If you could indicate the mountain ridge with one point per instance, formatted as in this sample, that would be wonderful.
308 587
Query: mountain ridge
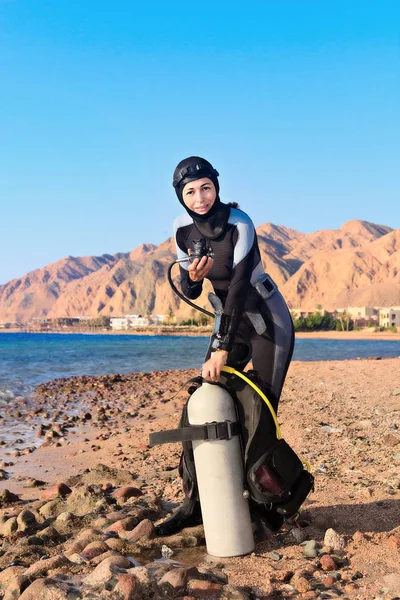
357 264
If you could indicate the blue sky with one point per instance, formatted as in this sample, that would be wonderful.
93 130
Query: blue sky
296 103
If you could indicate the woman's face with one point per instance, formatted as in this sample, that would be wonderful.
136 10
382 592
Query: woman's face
199 195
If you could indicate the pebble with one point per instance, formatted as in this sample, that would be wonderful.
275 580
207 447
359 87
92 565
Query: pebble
359 537
299 535
201 588
310 548
60 490
275 555
394 541
303 585
333 540
166 552
327 563
390 440
123 494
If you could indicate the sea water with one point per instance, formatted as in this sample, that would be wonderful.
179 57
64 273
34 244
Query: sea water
27 359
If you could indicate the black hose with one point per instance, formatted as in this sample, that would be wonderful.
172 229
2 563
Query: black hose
182 297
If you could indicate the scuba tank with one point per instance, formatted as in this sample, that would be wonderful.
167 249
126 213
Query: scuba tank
219 470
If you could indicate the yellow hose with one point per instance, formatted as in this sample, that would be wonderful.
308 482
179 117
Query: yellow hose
260 393
267 402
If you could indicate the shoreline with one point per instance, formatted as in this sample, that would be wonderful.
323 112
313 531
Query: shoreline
352 448
201 332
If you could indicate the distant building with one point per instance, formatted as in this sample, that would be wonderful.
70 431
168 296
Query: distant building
118 323
300 312
389 317
40 324
157 319
137 321
362 312
128 322
8 324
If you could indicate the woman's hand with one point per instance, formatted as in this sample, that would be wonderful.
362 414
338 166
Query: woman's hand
199 268
212 368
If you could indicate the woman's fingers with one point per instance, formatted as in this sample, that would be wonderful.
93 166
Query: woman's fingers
211 370
198 269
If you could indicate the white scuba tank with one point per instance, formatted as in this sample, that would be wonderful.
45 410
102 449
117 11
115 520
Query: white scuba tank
219 470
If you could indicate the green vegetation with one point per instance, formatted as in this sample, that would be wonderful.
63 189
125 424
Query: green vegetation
315 322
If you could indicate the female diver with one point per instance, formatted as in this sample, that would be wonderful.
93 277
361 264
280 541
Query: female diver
255 315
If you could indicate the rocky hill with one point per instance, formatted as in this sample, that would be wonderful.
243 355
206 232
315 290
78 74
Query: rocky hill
357 264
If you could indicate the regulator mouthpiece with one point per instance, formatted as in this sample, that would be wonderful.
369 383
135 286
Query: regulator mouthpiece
199 250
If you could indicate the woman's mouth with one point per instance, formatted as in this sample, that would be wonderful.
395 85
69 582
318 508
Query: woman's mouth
203 208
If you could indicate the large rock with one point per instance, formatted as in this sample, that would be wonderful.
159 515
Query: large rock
7 497
15 587
146 580
60 490
123 494
86 499
230 592
26 521
178 577
144 529
9 573
126 524
51 509
127 587
202 588
106 570
41 567
85 537
9 527
94 549
66 521
50 589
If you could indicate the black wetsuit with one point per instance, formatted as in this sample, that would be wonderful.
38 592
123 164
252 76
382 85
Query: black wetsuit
237 265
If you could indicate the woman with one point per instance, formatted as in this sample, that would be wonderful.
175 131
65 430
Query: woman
265 325
254 311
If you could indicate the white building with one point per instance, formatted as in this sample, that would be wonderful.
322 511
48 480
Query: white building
119 323
128 322
389 317
137 321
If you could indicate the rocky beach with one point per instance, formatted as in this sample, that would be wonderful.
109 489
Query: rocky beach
81 491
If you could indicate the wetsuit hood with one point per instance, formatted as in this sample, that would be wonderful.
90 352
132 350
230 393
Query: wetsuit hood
213 223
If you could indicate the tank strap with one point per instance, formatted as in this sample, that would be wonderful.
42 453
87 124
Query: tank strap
223 430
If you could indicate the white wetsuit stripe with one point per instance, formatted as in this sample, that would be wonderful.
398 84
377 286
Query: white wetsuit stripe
246 233
182 221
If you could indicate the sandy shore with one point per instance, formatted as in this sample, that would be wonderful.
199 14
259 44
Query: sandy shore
341 416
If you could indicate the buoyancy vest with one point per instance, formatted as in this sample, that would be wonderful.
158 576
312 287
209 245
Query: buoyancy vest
273 473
